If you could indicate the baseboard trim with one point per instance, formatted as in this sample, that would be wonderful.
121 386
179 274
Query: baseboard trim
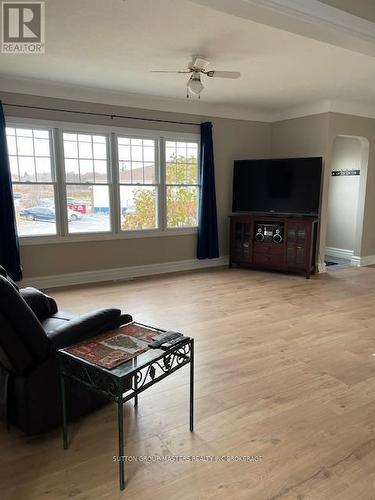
122 273
341 253
367 260
355 260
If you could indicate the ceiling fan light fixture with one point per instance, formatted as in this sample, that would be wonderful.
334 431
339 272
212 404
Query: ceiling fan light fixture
195 85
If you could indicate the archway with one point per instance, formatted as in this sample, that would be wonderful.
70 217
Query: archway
346 201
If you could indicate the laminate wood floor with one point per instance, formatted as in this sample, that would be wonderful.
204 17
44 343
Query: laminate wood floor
284 370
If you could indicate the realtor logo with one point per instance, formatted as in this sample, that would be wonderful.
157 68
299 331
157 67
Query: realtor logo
23 27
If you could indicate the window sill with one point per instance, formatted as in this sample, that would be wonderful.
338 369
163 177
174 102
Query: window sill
156 233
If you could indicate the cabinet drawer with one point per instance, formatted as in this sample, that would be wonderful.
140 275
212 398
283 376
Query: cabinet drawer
270 259
268 248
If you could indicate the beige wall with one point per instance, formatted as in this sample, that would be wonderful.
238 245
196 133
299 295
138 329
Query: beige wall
306 136
232 139
343 194
315 135
360 8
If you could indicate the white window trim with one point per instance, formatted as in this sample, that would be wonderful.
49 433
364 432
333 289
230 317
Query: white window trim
63 185
112 132
157 184
183 138
54 179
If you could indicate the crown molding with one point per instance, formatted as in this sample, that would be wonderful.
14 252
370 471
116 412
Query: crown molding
309 18
356 108
308 109
341 106
201 108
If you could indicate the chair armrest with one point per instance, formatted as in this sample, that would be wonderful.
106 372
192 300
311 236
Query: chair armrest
85 326
41 304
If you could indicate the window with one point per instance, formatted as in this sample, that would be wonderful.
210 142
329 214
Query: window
87 186
181 160
83 182
33 180
139 186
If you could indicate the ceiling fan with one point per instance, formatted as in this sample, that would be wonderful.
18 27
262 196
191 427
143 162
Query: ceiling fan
198 67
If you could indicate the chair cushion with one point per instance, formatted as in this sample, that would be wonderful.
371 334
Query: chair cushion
67 316
50 324
25 325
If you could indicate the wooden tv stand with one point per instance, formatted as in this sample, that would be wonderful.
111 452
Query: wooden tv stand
297 252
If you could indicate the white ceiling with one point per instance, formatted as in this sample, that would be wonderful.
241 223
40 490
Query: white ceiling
113 45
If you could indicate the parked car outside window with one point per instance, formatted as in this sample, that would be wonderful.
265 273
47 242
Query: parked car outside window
46 214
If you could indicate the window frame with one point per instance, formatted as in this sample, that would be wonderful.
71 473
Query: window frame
157 185
57 128
166 185
108 183
53 182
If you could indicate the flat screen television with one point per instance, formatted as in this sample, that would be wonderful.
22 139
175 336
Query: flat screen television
280 186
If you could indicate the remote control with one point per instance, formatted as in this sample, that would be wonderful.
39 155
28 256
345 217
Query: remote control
171 343
164 338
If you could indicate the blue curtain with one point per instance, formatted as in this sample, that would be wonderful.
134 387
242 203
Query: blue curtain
9 246
208 242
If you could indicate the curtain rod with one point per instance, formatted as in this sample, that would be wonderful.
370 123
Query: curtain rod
108 115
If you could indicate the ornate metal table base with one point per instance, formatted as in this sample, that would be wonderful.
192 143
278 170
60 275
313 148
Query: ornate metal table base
125 382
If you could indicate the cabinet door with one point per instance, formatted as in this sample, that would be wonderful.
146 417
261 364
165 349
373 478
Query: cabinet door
296 244
241 246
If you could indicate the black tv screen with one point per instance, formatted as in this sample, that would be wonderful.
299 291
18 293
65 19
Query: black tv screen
285 186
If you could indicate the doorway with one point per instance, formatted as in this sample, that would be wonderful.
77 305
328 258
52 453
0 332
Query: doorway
346 195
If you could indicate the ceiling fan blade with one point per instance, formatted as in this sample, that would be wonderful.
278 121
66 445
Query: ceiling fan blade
224 74
162 71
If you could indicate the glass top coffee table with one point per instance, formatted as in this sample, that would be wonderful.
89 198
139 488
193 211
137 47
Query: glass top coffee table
126 381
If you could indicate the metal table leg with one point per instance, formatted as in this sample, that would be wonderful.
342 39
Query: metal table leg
192 385
64 417
135 384
120 414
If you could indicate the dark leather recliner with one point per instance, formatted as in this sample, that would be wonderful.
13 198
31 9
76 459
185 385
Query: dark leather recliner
31 331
